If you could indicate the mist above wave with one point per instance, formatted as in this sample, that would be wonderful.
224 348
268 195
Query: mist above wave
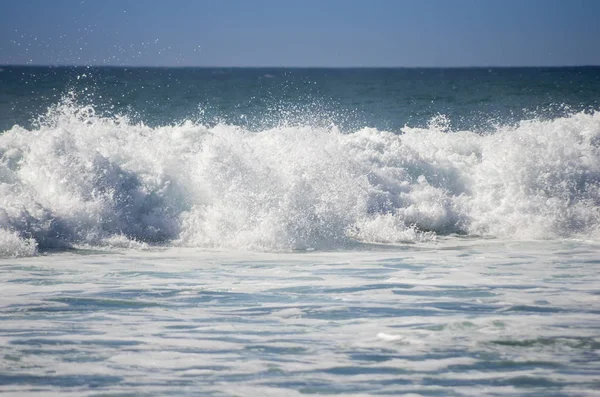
79 178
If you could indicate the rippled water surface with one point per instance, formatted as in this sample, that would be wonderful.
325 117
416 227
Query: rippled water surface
453 317
283 232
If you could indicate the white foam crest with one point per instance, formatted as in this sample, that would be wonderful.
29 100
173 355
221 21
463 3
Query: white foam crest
539 180
79 178
12 245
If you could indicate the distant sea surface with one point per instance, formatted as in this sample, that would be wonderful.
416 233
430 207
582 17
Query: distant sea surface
285 232
258 98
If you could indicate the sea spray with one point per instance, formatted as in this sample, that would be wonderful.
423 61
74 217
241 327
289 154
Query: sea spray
83 179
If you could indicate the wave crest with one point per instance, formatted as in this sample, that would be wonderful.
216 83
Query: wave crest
79 178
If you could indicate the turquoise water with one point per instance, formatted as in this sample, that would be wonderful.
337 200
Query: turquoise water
235 232
258 98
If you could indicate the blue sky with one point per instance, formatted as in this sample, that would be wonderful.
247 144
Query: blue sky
327 33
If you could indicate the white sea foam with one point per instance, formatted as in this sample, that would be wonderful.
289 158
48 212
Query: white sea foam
451 318
84 179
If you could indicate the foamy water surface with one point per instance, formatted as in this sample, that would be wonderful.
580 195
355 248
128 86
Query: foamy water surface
81 179
456 317
350 232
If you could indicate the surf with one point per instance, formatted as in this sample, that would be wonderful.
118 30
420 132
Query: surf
78 178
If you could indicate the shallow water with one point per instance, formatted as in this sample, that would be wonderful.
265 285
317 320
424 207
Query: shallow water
456 316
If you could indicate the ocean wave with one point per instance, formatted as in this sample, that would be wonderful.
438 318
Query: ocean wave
83 179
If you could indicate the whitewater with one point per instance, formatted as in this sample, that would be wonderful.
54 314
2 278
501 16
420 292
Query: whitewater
439 238
80 179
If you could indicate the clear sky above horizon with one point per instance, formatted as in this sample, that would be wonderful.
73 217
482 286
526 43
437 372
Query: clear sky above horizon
330 33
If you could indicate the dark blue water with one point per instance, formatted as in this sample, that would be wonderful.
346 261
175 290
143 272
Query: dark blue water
258 98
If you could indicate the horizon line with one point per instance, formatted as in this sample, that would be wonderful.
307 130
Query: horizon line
296 67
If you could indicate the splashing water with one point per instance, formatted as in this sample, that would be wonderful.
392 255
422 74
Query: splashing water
82 179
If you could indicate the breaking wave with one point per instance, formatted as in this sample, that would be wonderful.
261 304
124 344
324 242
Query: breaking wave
82 179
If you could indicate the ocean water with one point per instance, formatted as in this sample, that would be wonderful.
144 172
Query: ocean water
236 232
